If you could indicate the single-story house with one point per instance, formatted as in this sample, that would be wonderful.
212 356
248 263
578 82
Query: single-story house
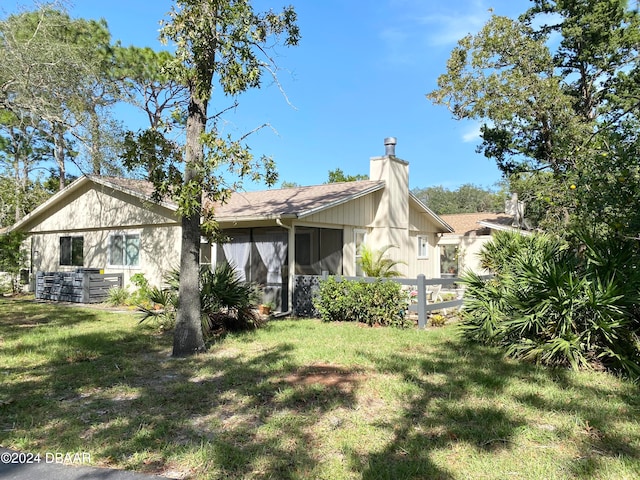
275 235
459 249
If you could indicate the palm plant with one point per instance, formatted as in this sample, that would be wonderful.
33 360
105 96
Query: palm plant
558 305
375 264
227 303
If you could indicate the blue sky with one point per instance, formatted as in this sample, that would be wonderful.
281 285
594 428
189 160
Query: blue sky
360 74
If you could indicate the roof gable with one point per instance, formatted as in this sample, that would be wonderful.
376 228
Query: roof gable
417 203
298 202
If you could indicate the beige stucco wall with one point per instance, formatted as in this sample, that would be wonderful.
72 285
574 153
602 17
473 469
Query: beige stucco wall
96 212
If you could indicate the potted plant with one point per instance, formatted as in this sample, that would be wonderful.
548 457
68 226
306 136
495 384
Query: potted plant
265 308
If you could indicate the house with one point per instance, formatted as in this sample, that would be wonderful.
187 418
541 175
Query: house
274 235
459 249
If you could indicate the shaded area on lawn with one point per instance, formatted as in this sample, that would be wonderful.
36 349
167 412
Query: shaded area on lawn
260 405
438 419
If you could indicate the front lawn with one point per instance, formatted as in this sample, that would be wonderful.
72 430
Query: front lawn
303 400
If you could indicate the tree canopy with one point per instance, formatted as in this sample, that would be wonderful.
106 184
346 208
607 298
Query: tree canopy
338 175
467 198
558 95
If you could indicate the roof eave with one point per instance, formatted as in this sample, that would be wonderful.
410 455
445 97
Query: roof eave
374 188
504 228
256 218
440 221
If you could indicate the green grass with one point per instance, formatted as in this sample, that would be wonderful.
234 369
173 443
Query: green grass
303 400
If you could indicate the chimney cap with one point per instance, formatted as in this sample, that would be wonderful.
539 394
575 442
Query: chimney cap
390 146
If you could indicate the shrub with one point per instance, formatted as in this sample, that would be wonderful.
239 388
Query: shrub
378 303
561 304
140 295
12 257
227 303
117 296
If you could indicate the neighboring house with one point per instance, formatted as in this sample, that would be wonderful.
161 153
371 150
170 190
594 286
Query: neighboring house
459 249
275 235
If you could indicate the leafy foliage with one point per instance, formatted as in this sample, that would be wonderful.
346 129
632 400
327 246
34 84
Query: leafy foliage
559 303
557 94
228 304
378 303
12 256
56 81
467 198
118 296
437 320
375 264
338 175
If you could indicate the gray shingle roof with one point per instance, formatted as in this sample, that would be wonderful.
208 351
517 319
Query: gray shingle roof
467 223
276 203
293 202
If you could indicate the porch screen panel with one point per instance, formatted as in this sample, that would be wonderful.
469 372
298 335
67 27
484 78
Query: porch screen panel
237 253
272 248
331 251
318 249
306 238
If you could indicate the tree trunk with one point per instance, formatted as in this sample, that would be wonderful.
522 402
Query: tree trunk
96 154
58 152
188 338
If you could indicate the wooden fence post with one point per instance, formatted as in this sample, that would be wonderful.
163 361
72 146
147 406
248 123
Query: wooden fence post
422 301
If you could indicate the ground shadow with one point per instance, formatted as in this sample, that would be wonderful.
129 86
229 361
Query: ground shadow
258 415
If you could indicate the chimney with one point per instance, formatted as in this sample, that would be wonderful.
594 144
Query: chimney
390 146
391 222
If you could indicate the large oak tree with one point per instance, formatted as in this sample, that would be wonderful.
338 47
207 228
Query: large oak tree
558 95
223 45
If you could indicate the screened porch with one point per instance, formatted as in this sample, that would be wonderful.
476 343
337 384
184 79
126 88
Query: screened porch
261 255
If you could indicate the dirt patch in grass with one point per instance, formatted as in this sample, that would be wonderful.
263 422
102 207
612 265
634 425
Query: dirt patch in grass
327 375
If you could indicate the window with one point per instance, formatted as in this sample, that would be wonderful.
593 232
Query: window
449 260
359 237
423 247
124 250
72 251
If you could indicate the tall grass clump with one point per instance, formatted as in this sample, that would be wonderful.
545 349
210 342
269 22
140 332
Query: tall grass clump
557 302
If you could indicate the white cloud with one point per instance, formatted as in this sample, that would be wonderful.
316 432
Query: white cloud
449 28
472 134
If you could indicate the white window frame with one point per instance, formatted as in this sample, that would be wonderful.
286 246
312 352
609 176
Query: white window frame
356 255
423 247
124 234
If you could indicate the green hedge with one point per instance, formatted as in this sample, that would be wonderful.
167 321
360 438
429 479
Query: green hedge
378 303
